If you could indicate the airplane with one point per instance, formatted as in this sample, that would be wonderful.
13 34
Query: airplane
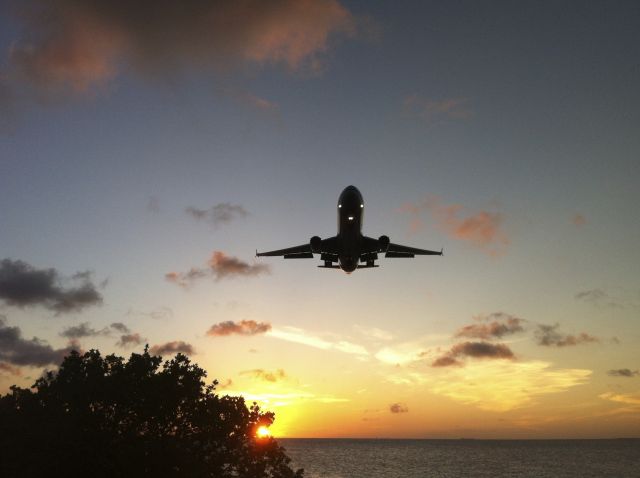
349 248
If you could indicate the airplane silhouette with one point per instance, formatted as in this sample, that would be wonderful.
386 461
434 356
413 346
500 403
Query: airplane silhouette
349 247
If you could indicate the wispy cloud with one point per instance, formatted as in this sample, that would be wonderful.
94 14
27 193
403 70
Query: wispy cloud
171 348
265 375
220 266
548 335
22 285
300 336
598 298
7 369
244 327
482 229
627 398
495 325
495 385
222 213
623 372
398 408
73 46
436 111
578 220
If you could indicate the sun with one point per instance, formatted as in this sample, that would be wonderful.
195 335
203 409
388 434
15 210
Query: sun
263 432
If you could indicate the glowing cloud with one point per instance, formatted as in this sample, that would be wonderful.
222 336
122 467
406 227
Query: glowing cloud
171 348
482 229
265 375
244 327
293 334
499 385
74 44
220 266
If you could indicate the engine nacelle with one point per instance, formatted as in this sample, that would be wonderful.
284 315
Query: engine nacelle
316 245
383 243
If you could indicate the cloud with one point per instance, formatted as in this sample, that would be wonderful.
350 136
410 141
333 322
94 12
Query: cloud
475 350
7 369
220 266
16 350
299 336
82 330
120 327
482 229
629 399
75 45
398 408
578 220
623 372
265 375
495 325
503 385
129 340
22 285
244 327
548 335
226 384
222 213
436 111
598 298
171 348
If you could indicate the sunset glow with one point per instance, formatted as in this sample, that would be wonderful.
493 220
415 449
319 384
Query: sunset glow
146 158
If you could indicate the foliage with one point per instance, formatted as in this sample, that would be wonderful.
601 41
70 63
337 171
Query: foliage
107 417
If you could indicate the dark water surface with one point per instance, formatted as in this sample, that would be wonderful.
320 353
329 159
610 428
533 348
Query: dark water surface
356 458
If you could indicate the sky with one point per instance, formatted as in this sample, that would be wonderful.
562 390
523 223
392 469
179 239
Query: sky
147 152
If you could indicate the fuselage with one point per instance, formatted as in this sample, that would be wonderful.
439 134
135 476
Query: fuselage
350 214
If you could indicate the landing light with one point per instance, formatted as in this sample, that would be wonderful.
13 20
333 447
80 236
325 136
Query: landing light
350 218
361 205
339 205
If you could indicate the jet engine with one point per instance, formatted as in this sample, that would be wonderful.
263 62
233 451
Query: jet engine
383 243
316 245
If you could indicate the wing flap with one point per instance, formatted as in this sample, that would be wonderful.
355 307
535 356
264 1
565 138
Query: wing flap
399 249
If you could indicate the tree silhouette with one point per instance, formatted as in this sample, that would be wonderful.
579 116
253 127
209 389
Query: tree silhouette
107 417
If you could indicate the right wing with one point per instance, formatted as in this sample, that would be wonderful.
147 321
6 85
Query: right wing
297 252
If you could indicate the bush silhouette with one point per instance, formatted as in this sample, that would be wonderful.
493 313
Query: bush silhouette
107 417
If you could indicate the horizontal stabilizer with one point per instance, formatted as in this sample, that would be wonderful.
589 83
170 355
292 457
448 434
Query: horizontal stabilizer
329 267
399 254
301 255
364 266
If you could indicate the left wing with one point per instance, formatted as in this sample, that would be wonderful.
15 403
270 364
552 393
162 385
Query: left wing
397 250
296 252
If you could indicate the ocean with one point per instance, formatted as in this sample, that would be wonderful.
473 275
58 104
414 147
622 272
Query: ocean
359 458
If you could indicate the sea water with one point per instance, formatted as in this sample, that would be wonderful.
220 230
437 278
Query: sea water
359 458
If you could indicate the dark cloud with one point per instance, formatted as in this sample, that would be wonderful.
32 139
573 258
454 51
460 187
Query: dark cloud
484 350
398 408
22 285
16 350
260 374
623 372
598 298
244 327
82 330
220 266
170 348
446 361
76 45
495 325
548 335
120 327
129 340
222 213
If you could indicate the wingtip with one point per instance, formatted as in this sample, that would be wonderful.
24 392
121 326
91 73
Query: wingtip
442 251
